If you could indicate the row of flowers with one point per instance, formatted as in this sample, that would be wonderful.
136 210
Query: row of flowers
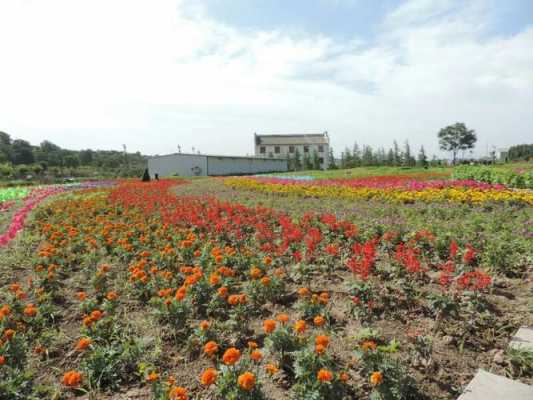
205 269
31 199
386 188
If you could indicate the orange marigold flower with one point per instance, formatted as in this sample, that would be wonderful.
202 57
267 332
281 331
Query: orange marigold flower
5 310
96 315
14 287
82 296
256 355
265 281
112 296
300 326
30 310
231 356
252 345
152 377
209 376
368 345
210 348
255 273
214 279
2 360
72 378
197 253
267 260
246 381
180 293
233 299
271 369
324 298
319 320
243 299
324 375
283 318
343 377
9 333
269 325
178 393
304 292
223 291
320 348
204 325
83 343
323 340
376 378
219 259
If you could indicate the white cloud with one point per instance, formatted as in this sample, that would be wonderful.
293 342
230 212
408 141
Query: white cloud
157 74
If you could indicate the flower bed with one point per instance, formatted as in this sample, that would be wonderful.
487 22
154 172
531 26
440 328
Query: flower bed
33 198
387 188
242 303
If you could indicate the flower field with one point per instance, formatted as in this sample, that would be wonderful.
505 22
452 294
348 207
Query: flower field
400 188
192 290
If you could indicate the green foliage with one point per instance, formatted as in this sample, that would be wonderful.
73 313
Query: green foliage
494 175
51 161
228 388
455 138
520 362
396 383
307 364
520 152
112 365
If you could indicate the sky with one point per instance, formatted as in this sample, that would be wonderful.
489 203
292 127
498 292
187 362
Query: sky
209 73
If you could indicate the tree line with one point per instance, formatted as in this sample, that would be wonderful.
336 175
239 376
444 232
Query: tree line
18 158
520 152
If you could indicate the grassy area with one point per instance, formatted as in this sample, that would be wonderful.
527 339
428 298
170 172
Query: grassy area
361 172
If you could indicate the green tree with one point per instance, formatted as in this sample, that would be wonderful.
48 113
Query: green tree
86 157
5 147
72 161
297 160
315 160
356 155
331 159
422 158
21 152
390 157
455 138
368 156
347 159
396 153
308 164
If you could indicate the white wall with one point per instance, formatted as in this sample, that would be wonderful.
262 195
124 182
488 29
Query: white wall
201 165
178 164
241 166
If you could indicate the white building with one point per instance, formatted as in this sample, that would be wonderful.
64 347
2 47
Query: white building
181 164
283 146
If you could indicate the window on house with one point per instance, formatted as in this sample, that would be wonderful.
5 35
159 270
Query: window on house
291 149
306 149
262 149
320 148
276 149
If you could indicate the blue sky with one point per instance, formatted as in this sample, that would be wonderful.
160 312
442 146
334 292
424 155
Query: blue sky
345 19
209 73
